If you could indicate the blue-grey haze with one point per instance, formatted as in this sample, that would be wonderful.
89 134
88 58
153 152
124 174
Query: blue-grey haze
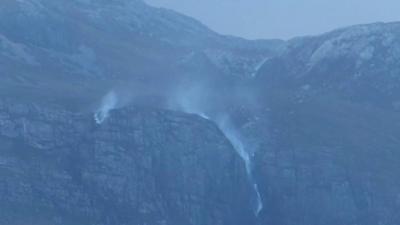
283 18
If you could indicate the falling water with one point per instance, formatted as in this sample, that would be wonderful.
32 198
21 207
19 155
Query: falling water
259 201
193 102
108 103
233 136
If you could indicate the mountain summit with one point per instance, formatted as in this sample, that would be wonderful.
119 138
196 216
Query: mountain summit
115 112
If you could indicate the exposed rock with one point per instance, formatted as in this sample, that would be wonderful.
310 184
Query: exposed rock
331 153
141 166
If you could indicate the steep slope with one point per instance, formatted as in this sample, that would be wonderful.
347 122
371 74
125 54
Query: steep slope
85 47
359 61
141 166
332 149
318 116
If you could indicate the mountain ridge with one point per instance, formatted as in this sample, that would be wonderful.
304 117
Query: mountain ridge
317 118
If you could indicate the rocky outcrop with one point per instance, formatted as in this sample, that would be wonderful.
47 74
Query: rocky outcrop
360 63
63 39
319 115
331 153
327 161
87 47
140 166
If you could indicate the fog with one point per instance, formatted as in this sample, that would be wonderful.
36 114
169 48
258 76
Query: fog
283 19
108 103
198 97
139 115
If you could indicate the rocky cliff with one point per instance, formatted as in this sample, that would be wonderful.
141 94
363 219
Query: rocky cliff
317 117
140 166
331 153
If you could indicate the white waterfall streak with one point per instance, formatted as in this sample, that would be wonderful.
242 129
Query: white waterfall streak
259 200
108 103
234 137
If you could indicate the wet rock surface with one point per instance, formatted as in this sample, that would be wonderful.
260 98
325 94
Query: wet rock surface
141 166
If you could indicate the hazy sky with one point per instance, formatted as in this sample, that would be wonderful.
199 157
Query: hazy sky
283 18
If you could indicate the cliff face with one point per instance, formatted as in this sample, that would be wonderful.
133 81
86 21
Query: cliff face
329 162
331 155
141 166
317 115
85 48
359 63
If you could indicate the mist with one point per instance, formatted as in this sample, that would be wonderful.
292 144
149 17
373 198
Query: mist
286 19
237 141
200 97
118 112
108 103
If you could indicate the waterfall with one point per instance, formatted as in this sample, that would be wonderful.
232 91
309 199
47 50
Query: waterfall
234 137
108 103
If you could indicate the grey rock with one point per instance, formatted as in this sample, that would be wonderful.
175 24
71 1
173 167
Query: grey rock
141 166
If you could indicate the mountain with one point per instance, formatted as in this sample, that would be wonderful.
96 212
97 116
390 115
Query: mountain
331 151
359 61
65 46
115 112
72 154
141 166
